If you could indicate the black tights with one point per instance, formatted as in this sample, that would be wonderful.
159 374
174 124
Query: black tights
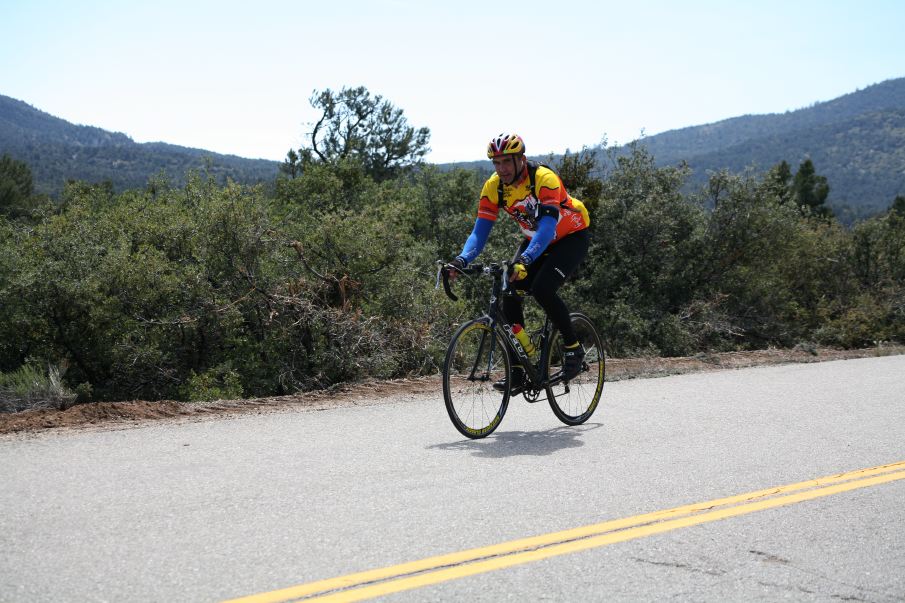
545 276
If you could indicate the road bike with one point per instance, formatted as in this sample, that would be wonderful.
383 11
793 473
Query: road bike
483 352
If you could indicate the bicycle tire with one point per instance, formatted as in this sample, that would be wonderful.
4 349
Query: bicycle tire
475 359
574 402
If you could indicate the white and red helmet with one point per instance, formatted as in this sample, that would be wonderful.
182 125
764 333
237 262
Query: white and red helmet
505 144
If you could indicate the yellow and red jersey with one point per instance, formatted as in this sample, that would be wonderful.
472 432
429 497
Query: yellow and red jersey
522 203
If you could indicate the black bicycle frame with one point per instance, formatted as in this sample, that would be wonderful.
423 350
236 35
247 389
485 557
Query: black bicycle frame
498 325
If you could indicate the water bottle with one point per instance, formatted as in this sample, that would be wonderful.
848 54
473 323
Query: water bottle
522 336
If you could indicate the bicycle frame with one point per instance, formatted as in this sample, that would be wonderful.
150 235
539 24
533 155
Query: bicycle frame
496 320
477 371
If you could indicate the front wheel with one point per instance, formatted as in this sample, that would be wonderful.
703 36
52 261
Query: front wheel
475 360
573 402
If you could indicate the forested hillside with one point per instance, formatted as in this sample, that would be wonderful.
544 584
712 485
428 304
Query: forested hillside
863 159
58 151
203 290
857 141
677 145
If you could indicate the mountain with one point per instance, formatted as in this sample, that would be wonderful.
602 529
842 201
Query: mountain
57 151
857 141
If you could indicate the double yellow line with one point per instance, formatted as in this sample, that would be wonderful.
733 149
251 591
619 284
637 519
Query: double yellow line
415 574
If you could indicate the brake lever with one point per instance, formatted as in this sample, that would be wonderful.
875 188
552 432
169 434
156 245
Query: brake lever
444 273
439 270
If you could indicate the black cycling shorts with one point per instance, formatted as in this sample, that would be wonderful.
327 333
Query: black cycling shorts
545 276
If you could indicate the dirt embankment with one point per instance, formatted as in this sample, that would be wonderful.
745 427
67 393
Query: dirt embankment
120 414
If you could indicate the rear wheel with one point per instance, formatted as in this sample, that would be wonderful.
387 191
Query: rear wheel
475 360
573 402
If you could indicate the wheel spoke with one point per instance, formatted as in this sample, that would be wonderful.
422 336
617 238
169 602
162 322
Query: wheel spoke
474 361
574 402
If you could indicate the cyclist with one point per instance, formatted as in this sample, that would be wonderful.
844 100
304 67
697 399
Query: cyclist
556 240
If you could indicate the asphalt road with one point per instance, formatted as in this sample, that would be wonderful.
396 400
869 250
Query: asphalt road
220 509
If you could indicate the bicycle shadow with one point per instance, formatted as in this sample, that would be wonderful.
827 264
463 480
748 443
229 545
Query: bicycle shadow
522 443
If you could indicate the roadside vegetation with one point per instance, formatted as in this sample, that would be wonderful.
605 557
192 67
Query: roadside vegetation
207 291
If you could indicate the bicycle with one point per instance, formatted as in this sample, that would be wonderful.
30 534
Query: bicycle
483 351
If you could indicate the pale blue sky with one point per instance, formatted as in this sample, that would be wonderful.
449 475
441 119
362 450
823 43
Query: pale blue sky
235 77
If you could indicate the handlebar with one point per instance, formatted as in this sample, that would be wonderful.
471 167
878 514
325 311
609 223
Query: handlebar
443 271
494 269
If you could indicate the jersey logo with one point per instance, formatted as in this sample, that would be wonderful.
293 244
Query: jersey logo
532 183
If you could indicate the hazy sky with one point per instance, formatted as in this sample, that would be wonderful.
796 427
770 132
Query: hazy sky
235 77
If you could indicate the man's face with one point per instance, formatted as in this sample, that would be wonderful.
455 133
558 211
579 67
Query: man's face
509 167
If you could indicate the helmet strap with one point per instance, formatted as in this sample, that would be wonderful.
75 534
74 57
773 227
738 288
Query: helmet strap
516 172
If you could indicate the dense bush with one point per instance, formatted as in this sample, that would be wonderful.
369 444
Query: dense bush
216 289
645 252
205 291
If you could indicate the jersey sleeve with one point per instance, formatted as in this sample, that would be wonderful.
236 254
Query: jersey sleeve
488 207
546 230
476 240
549 187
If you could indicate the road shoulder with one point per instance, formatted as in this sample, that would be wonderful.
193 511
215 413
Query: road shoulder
119 415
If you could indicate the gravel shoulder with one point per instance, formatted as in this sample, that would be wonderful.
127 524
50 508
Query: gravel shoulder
119 415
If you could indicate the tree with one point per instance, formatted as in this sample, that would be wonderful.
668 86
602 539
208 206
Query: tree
642 266
292 165
16 185
811 190
898 206
579 175
778 181
354 124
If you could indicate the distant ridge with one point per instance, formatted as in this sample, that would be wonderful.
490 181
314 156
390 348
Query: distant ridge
695 140
857 141
58 151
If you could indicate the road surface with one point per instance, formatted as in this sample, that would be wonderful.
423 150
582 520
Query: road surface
261 506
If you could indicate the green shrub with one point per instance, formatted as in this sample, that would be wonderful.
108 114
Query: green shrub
209 291
31 386
860 324
218 383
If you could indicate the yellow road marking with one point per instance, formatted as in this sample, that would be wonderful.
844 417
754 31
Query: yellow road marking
433 570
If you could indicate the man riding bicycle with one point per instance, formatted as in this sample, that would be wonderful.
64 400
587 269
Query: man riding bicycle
556 240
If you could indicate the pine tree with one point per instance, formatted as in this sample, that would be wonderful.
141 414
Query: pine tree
16 186
810 190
